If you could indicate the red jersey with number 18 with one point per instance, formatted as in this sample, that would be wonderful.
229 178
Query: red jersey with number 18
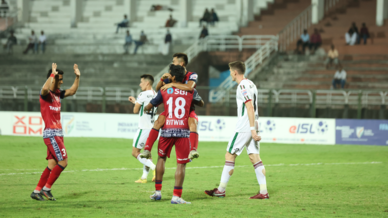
177 108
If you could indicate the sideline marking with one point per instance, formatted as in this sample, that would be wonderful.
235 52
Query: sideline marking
206 167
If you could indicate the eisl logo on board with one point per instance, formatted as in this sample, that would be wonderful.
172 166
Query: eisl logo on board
309 128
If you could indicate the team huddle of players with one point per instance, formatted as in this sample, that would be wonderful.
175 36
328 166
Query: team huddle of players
178 124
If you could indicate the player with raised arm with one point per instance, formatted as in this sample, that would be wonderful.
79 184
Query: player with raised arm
146 121
190 82
246 134
50 108
174 132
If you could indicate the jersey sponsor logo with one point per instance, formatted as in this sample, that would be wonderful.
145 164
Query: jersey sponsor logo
193 76
55 108
179 133
180 92
175 122
170 91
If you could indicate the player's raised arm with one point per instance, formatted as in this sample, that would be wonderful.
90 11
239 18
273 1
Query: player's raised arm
50 81
161 81
73 89
136 108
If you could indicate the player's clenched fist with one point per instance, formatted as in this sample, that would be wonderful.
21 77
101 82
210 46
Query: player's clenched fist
132 99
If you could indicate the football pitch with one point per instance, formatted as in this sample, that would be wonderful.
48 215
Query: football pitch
302 180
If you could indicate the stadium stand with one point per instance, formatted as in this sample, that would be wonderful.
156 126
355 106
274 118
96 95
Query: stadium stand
97 25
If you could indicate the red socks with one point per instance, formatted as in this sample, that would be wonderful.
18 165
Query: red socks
43 179
194 140
151 139
158 185
177 191
54 175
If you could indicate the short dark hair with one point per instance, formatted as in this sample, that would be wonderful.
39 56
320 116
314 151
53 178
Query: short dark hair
182 56
178 71
148 77
239 66
60 72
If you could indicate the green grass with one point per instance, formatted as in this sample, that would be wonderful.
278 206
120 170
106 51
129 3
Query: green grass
296 188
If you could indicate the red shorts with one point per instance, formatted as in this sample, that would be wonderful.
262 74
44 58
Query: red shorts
55 148
182 148
192 114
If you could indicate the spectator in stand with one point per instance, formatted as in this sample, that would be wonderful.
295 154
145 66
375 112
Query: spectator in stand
123 23
339 78
332 56
142 41
32 44
355 29
213 16
42 42
364 33
10 42
304 41
128 42
170 22
3 8
315 41
164 48
204 32
160 8
351 37
206 17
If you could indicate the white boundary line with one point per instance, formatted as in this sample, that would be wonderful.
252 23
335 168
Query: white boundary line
173 168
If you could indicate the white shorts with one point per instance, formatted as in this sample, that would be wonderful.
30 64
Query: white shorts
241 139
140 138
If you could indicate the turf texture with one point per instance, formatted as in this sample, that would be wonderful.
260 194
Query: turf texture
303 181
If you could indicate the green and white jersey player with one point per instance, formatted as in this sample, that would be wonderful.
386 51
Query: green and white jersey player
146 122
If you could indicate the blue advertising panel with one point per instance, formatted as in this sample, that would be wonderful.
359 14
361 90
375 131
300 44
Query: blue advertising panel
362 132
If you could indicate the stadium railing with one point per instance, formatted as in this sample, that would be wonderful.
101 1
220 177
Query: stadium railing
295 28
267 98
262 43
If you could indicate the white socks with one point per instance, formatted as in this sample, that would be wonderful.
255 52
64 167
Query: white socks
146 162
260 175
226 174
146 170
46 189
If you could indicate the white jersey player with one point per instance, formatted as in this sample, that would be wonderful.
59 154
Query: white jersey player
246 133
146 122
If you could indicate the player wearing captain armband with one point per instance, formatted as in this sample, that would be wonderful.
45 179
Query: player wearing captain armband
246 134
175 131
146 121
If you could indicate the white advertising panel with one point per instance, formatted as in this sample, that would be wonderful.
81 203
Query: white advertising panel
210 128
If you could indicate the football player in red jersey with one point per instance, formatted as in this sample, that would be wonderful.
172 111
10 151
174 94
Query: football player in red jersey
175 131
190 82
50 108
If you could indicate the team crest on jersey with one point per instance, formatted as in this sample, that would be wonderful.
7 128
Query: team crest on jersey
193 76
245 93
170 91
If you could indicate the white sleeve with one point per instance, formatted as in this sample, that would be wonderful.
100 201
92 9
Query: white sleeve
141 98
245 92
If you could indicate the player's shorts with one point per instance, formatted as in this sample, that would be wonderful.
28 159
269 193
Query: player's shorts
182 148
140 138
240 140
55 148
192 114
